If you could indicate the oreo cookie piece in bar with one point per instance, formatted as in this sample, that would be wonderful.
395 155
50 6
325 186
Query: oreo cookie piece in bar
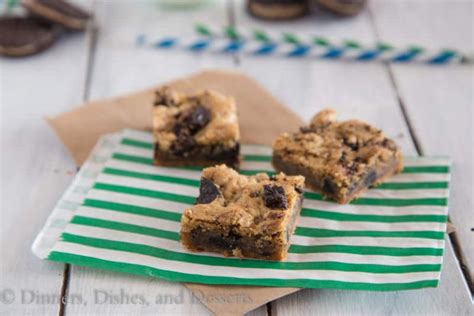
195 130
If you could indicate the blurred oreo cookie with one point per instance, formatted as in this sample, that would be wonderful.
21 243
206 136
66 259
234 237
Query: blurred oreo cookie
343 7
60 12
278 9
23 36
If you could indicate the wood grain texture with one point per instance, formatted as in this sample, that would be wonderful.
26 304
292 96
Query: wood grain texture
361 90
356 90
439 100
35 168
120 67
109 293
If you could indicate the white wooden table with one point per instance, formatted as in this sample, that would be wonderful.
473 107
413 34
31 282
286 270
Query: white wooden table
429 110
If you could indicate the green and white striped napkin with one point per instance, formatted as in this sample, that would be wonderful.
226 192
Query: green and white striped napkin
123 214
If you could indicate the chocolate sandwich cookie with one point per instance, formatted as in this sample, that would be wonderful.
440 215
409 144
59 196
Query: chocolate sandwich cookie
343 7
60 12
23 36
277 9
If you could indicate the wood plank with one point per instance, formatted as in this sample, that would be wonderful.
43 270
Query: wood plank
110 293
445 94
121 67
362 90
35 168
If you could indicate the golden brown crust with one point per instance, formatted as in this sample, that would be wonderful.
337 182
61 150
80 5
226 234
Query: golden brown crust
337 156
222 128
241 203
240 211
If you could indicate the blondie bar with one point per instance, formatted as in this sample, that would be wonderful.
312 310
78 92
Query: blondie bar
195 130
243 216
339 159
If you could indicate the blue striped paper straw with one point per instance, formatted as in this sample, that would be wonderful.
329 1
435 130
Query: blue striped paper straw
300 50
348 49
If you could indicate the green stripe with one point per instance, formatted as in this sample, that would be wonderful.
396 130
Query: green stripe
88 221
132 209
367 250
401 202
136 143
261 36
261 158
131 158
336 216
204 279
323 233
154 177
412 185
290 38
244 263
203 30
147 193
386 202
426 169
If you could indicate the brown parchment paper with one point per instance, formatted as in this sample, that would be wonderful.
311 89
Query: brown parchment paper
261 118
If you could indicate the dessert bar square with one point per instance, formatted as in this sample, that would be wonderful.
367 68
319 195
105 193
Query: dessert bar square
195 130
243 216
339 159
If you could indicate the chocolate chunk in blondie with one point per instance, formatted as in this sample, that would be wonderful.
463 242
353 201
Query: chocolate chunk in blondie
208 192
274 197
340 159
243 216
197 130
